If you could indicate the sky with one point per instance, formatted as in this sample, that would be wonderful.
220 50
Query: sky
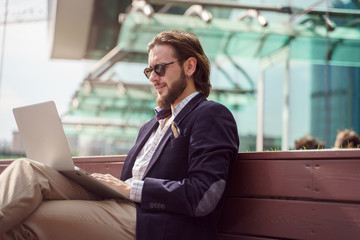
29 76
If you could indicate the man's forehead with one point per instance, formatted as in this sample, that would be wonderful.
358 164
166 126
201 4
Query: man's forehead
161 52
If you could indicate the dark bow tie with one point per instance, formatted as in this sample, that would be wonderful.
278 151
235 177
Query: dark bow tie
163 113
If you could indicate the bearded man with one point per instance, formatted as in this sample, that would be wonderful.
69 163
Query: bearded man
175 174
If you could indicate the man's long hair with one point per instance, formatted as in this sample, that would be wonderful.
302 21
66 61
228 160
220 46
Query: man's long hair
187 45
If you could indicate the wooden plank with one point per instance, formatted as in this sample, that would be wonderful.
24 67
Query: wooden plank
101 164
290 219
4 164
309 174
239 237
105 158
275 155
302 154
286 178
106 168
330 179
338 180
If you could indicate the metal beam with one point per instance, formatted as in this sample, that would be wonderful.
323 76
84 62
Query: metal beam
279 9
280 56
223 4
105 63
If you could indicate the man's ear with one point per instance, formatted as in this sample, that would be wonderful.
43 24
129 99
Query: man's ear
190 66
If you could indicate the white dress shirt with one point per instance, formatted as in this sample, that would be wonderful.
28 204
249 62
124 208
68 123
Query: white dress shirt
146 153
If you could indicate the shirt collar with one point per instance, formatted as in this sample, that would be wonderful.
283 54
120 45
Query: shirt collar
183 103
179 106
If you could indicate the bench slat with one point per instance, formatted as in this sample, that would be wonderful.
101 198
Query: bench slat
92 164
290 219
239 237
291 178
307 195
103 164
337 180
4 164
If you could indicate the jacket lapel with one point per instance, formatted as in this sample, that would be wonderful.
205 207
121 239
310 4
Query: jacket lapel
183 113
158 151
189 107
143 137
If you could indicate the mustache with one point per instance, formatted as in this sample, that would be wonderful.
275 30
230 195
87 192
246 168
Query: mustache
158 84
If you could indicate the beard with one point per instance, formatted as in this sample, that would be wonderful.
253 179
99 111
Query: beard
174 92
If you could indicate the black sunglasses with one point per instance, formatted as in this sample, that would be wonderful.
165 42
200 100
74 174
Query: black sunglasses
159 69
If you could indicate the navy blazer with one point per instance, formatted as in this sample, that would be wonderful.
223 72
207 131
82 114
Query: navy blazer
186 177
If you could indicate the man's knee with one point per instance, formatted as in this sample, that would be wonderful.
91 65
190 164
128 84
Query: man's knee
26 164
21 162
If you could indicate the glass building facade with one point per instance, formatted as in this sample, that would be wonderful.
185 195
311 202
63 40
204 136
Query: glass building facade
334 101
335 93
305 55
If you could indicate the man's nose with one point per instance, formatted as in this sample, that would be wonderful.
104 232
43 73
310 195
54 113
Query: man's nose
153 77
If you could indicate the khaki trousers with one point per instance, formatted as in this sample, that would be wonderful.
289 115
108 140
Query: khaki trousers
37 202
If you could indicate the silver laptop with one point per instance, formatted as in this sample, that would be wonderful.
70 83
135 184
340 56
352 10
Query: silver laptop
44 141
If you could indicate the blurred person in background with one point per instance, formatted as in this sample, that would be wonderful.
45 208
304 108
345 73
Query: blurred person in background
308 142
347 139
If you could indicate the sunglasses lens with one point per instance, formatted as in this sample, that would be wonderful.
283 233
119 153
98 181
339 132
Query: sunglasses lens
147 72
159 69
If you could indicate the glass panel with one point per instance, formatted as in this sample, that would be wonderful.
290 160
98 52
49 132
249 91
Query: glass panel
311 44
324 63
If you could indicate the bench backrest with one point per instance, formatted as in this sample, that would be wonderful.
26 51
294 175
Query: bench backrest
280 195
92 164
294 195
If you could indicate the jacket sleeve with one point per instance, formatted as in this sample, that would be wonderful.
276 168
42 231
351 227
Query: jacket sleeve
213 143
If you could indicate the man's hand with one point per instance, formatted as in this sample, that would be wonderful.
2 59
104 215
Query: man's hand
114 182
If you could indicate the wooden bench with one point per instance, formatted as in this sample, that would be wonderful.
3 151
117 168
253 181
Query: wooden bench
293 195
92 164
281 195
